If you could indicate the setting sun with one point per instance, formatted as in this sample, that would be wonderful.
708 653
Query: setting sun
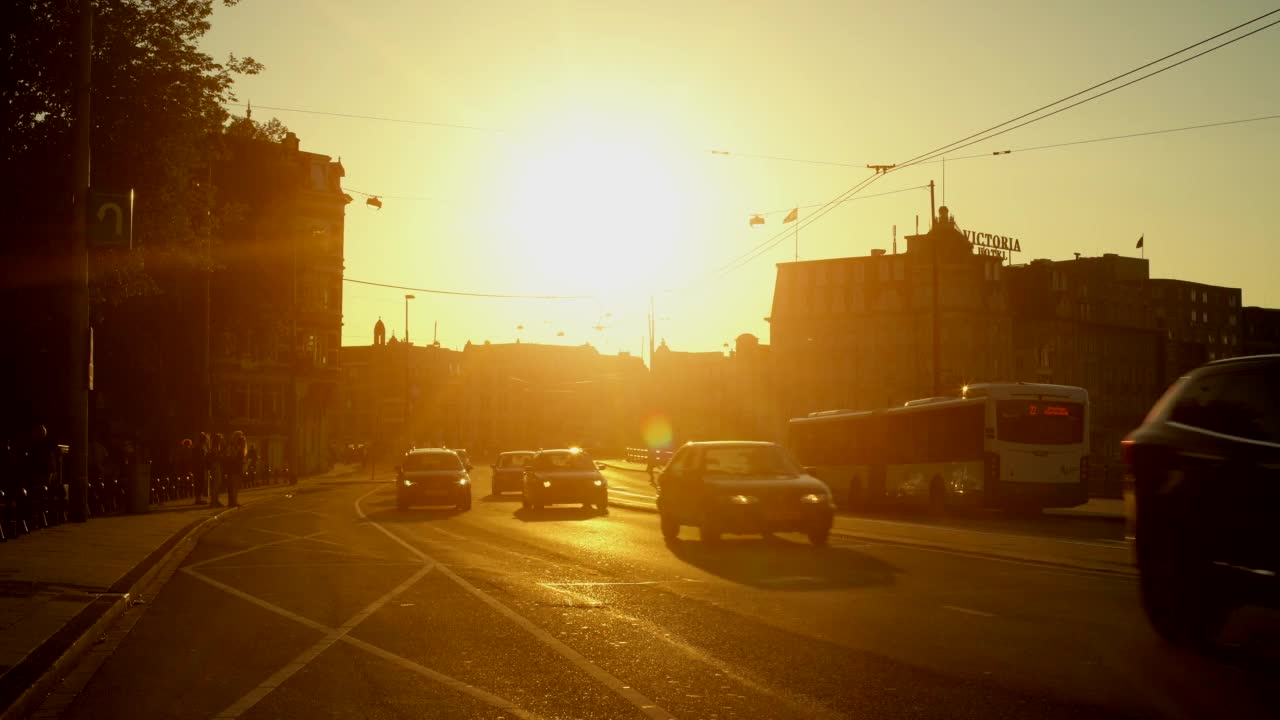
591 213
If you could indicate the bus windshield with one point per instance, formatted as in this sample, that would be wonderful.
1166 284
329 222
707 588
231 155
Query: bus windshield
1038 422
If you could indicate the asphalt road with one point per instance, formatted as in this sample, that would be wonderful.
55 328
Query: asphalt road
330 603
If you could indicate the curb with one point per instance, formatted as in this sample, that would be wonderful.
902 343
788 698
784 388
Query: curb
55 658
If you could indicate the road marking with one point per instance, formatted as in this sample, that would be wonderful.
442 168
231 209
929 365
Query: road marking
279 677
582 584
332 635
1047 567
626 692
1111 544
633 494
291 512
238 553
317 565
295 536
967 611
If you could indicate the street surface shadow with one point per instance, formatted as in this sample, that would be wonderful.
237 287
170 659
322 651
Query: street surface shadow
386 512
995 520
782 564
556 513
1251 641
503 498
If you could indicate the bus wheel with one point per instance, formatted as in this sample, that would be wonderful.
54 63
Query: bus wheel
937 496
709 534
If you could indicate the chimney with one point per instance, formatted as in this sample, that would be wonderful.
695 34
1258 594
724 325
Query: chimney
291 142
878 252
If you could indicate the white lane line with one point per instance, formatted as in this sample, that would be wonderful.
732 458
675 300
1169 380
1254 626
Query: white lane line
1111 544
619 491
317 565
590 584
644 704
291 512
1046 567
967 611
296 536
278 678
238 553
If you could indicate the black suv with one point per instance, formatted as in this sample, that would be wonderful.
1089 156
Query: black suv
741 487
1203 497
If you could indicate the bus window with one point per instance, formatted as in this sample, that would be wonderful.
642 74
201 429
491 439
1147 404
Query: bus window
1040 422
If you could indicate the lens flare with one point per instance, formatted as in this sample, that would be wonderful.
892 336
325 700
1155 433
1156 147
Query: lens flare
657 431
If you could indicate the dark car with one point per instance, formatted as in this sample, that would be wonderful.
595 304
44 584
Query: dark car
742 487
462 455
554 477
1203 497
432 476
508 471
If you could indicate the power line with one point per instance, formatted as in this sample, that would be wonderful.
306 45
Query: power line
860 197
460 293
1114 137
1108 92
378 118
915 160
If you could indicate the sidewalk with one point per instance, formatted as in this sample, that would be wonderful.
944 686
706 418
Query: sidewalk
61 587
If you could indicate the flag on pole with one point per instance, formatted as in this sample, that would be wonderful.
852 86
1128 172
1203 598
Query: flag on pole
791 216
1144 235
756 220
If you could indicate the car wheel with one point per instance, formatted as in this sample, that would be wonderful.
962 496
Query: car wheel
465 504
820 536
1183 603
670 528
602 505
709 534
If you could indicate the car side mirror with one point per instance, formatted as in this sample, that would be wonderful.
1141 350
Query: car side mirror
470 467
600 466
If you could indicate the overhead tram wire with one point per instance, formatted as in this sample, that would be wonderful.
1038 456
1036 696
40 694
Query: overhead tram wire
1095 97
352 116
1128 136
933 153
460 293
959 144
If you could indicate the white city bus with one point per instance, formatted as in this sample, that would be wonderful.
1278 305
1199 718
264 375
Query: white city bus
998 445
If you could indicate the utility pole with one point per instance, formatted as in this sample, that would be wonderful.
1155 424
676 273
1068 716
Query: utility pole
80 376
882 169
933 210
407 298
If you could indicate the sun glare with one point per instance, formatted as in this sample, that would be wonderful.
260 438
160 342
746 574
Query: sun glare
596 215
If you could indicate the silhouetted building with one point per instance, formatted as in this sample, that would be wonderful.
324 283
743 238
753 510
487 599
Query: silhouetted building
859 332
1260 331
276 298
396 395
516 396
1087 322
1200 322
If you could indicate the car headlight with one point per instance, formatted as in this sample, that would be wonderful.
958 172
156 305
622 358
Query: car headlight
546 483
408 482
813 499
598 483
743 499
463 480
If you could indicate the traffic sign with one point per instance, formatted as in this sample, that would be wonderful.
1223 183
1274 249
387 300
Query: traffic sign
110 220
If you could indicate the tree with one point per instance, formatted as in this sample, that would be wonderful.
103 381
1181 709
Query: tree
157 108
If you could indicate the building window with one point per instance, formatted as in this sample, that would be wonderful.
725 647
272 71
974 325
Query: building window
1231 300
1205 296
1232 320
1193 316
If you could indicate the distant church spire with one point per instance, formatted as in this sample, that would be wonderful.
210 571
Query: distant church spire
379 333
248 110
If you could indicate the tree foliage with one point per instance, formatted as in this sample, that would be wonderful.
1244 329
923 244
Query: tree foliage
157 107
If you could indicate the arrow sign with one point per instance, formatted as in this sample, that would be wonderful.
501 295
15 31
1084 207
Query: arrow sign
110 221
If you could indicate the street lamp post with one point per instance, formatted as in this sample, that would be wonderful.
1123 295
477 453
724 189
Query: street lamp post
406 426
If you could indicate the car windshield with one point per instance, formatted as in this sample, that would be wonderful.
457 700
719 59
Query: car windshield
560 461
425 462
749 460
514 461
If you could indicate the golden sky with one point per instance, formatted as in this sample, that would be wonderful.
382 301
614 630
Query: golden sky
585 163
